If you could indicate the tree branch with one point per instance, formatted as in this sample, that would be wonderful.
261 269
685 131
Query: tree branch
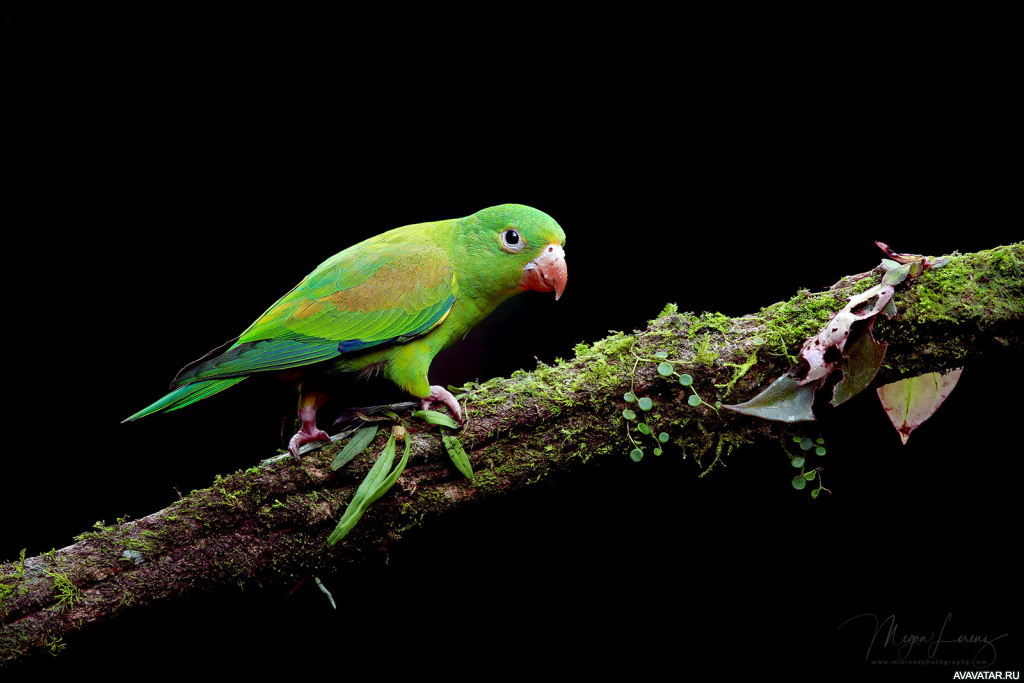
270 523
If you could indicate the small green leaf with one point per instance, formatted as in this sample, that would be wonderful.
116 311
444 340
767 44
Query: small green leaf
628 397
377 482
326 592
661 354
815 492
664 369
458 455
360 440
663 437
435 418
896 275
797 462
806 444
819 450
809 475
685 380
636 455
799 483
657 451
819 440
645 403
628 414
694 400
643 428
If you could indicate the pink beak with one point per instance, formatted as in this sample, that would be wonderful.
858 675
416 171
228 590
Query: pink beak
546 273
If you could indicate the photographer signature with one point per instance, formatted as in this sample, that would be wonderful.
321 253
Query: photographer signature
905 643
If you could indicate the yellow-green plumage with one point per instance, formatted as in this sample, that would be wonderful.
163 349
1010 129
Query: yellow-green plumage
389 303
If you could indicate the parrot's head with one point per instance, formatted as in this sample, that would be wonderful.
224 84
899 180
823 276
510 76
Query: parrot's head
516 248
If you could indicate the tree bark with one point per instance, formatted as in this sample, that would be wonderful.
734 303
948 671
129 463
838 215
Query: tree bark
270 523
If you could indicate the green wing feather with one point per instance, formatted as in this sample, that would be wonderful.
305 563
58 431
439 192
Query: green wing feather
385 290
186 395
381 291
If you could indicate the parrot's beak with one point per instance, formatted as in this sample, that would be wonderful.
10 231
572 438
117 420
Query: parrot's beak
546 273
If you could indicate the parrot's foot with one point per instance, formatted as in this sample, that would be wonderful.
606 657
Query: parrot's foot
444 396
309 403
307 434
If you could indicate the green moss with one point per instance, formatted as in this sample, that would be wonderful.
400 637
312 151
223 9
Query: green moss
705 352
53 645
9 582
740 371
581 350
669 309
714 322
979 283
782 327
66 592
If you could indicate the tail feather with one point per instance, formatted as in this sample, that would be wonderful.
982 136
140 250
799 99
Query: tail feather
186 395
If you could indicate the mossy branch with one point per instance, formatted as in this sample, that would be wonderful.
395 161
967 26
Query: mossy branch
270 524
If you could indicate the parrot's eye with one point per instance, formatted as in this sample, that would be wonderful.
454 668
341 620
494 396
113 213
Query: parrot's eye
512 241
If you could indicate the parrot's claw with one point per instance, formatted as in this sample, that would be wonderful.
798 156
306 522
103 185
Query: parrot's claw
441 394
304 436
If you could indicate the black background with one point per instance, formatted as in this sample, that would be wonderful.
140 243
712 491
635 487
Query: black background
182 172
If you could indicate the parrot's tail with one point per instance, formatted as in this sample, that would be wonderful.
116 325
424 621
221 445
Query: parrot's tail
186 395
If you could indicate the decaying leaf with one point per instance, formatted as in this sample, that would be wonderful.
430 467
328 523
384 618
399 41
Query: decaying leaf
922 262
909 402
789 399
836 332
859 366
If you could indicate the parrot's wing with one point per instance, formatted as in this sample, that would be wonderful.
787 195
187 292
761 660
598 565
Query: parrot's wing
375 293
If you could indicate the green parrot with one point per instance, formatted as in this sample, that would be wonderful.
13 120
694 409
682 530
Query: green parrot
385 306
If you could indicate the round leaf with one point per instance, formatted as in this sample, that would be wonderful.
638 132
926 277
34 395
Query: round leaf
663 437
820 450
628 397
694 400
806 444
809 475
643 428
645 403
797 462
664 369
661 354
685 380
657 451
636 455
799 483
628 414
